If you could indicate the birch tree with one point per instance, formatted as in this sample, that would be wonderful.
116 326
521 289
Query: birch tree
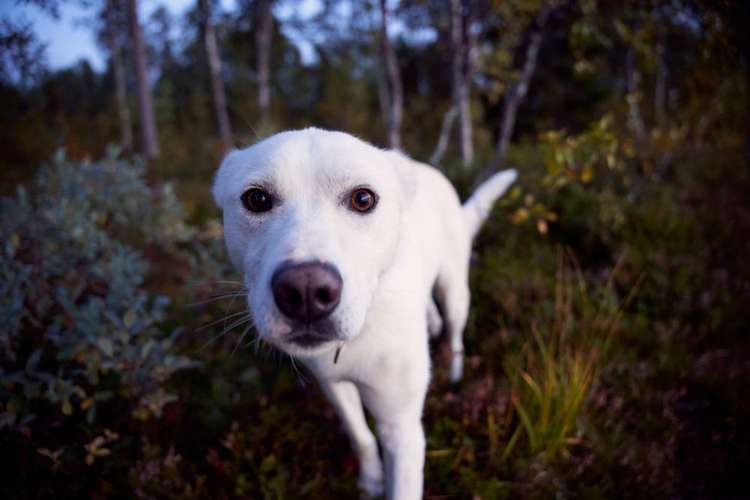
445 133
149 137
517 92
263 37
392 92
114 27
460 36
214 65
633 98
660 86
462 66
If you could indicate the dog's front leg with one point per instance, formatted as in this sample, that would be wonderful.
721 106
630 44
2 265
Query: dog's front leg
402 438
345 398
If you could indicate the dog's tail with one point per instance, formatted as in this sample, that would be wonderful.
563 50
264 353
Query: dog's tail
478 206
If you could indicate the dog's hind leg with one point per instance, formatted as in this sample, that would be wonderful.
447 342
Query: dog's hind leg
454 296
434 320
345 398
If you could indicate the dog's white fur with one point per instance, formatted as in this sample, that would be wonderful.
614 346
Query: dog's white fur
415 245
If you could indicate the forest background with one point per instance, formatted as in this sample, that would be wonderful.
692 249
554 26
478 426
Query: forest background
607 343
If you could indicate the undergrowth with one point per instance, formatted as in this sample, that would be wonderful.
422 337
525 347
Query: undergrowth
603 347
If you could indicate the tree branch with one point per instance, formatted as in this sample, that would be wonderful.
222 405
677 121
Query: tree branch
516 94
445 133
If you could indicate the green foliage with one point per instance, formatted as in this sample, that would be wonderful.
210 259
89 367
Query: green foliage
78 327
576 158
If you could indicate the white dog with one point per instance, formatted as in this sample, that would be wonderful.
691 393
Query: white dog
342 247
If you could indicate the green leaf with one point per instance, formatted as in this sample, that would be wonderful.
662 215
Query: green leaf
67 408
129 318
33 362
105 345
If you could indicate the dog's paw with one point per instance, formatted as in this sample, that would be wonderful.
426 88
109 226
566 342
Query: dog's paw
370 473
371 486
457 366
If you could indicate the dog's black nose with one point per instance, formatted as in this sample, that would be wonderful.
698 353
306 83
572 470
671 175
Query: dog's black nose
306 292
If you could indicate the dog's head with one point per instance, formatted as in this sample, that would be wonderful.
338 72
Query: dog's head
311 221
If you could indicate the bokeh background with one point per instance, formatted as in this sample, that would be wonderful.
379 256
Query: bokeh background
607 344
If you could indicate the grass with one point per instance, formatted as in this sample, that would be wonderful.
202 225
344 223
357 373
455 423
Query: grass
552 374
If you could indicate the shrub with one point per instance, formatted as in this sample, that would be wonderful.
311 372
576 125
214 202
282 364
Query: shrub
78 326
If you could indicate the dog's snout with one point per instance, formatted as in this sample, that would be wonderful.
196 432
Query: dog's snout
307 292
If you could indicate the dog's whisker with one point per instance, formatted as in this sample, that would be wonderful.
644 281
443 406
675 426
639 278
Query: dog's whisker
250 342
227 308
256 342
195 284
217 298
237 323
216 322
242 337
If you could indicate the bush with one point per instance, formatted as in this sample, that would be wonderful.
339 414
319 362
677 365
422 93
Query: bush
78 326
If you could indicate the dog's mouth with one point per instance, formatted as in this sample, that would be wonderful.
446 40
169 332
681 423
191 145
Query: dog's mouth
308 339
310 336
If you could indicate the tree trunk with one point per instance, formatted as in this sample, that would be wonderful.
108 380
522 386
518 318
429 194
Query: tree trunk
118 70
660 90
263 35
214 64
462 78
395 89
516 94
384 97
633 98
145 104
445 133
381 80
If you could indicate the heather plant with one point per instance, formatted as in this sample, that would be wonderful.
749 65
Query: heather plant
78 326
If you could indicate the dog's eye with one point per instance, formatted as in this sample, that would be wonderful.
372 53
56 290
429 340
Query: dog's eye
362 200
257 200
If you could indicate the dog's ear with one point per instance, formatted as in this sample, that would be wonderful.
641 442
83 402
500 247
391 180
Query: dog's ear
406 174
222 178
